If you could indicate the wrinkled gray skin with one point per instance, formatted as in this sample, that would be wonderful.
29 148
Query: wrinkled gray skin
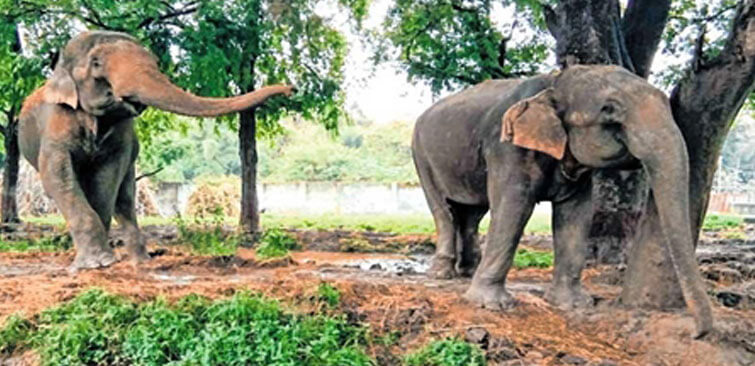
78 131
610 118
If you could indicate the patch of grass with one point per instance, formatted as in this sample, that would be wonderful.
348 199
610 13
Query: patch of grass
206 236
447 352
329 294
275 243
389 223
56 243
529 258
97 328
715 222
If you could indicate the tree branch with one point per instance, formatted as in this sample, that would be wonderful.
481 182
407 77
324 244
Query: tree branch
146 175
173 14
706 101
643 24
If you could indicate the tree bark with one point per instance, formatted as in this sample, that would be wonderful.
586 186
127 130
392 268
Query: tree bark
250 218
10 172
704 105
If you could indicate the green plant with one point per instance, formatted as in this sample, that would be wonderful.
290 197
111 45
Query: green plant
55 243
447 352
529 258
14 334
275 243
205 235
329 294
715 222
97 328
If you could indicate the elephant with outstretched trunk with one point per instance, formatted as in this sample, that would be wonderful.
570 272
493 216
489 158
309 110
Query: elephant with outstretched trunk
504 145
77 130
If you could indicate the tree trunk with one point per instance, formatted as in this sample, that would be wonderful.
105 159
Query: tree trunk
590 32
250 218
10 173
704 104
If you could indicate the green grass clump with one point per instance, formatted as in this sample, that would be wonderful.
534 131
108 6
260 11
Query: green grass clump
96 328
206 236
529 258
57 243
275 243
14 334
447 352
329 294
715 222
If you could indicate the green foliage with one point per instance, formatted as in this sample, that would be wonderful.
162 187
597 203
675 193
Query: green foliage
206 236
329 294
14 334
529 258
96 328
447 352
275 243
715 222
687 19
450 44
55 243
379 153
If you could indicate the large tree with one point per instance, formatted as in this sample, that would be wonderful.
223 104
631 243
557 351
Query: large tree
707 91
19 76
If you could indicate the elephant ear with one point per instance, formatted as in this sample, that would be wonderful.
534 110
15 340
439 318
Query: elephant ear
533 124
61 89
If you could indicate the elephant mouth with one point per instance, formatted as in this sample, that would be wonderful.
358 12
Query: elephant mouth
124 107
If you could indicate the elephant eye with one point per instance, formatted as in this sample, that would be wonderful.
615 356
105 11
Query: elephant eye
608 109
96 62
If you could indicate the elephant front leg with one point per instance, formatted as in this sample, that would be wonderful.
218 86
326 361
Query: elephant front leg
88 231
571 226
509 215
125 214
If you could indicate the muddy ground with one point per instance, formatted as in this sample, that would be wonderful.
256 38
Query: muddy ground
389 290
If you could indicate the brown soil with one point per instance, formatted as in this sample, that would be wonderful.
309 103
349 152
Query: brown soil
417 308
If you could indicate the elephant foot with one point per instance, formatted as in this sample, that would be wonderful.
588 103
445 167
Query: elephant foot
493 296
442 268
100 259
566 298
138 254
467 265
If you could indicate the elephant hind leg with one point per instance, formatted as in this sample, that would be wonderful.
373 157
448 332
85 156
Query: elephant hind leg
467 222
125 214
444 260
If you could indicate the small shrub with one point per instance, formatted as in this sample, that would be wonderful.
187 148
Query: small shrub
329 294
447 352
275 243
528 258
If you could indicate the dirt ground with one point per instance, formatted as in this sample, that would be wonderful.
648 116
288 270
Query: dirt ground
390 292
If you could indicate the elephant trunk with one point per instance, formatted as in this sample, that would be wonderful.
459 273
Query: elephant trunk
669 177
155 89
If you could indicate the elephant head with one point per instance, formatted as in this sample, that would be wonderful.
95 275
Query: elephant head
106 73
608 117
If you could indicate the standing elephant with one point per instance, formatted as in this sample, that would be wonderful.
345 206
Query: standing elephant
505 145
77 130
